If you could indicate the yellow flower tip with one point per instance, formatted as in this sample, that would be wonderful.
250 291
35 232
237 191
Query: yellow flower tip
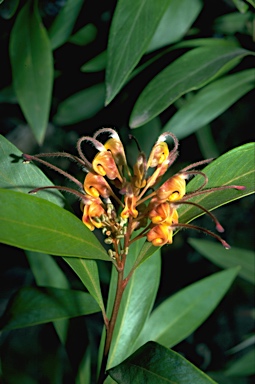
160 235
158 154
173 189
104 165
95 185
91 215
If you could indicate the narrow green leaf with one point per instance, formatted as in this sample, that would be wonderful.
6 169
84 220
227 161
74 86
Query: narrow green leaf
181 314
241 6
63 25
96 64
176 21
191 71
243 366
133 25
81 105
233 22
47 273
156 364
140 293
8 8
234 167
207 144
32 68
35 224
20 177
252 2
210 102
234 257
84 36
34 305
88 273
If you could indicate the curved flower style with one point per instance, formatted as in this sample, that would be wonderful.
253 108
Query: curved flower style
141 203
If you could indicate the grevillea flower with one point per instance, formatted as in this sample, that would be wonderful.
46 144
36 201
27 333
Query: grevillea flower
119 200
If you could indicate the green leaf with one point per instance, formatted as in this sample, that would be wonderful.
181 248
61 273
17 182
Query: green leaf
34 305
47 273
241 6
8 8
140 293
175 23
88 273
243 366
32 68
210 102
37 225
63 25
20 177
252 2
96 64
191 71
233 22
234 167
133 25
181 314
81 105
156 364
233 257
84 36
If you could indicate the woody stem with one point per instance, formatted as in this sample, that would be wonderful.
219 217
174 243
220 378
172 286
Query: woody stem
121 285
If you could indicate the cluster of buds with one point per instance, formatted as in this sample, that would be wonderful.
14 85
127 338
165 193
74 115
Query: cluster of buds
119 200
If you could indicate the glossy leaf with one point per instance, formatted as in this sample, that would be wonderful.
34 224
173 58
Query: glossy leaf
133 25
234 257
181 314
81 106
210 102
234 167
243 366
32 306
84 36
156 364
138 294
175 23
38 225
20 177
32 68
88 273
63 24
191 71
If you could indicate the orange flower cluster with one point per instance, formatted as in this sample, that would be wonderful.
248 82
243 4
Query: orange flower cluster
142 205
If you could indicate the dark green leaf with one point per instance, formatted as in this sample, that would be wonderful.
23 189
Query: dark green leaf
31 306
47 273
234 257
7 95
191 71
84 36
206 142
233 22
210 102
133 25
241 5
181 314
32 68
156 364
88 273
96 64
8 8
140 293
81 105
63 25
243 366
35 224
175 23
20 177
